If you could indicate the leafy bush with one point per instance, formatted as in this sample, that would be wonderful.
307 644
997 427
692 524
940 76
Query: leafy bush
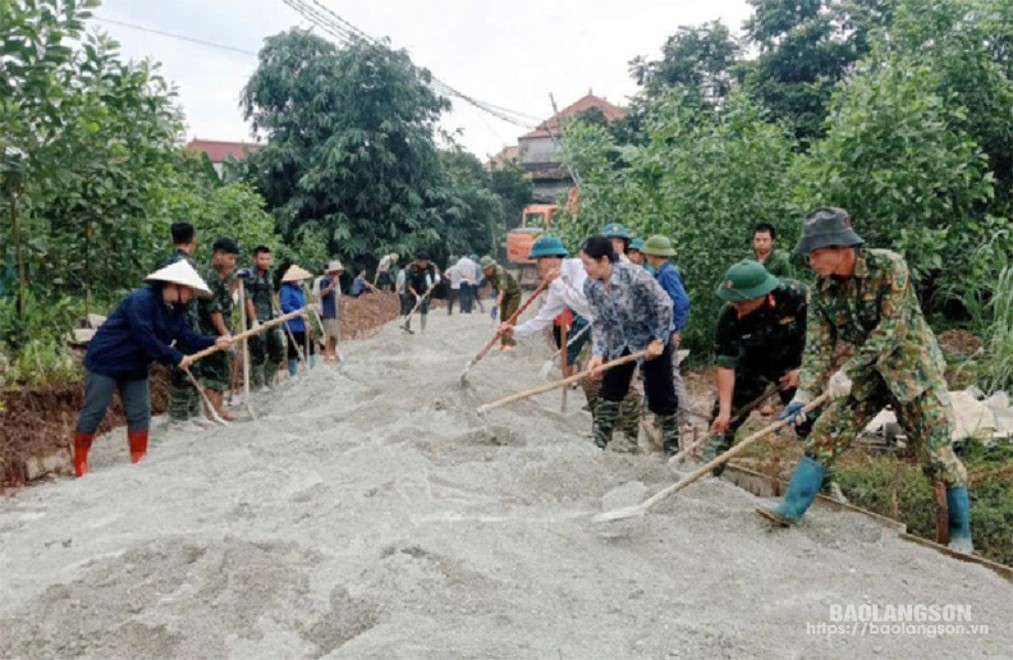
997 369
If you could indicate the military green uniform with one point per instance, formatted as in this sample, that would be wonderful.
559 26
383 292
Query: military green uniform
184 399
778 264
503 281
896 362
216 369
761 347
267 350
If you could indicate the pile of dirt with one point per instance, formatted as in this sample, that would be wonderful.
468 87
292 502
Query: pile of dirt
38 422
365 315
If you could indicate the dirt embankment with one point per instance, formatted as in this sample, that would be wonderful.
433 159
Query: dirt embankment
37 423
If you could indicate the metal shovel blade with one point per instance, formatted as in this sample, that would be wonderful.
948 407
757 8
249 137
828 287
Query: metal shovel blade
635 511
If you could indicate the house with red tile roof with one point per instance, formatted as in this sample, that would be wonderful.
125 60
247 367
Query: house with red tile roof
538 151
219 151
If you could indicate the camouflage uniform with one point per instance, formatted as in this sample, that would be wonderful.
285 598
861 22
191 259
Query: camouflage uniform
896 362
184 399
501 280
217 367
267 350
761 347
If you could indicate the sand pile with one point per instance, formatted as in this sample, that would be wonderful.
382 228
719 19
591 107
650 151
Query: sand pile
369 512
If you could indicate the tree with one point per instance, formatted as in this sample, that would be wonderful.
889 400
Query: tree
350 144
805 48
699 59
515 190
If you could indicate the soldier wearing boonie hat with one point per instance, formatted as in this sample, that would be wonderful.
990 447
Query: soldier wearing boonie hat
866 297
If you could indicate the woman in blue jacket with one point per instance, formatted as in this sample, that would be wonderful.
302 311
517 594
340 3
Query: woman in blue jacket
293 297
150 325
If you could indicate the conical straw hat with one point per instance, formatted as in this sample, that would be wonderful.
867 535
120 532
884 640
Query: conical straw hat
295 273
181 273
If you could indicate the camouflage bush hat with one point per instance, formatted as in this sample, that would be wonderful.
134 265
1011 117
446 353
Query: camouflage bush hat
827 226
658 246
746 280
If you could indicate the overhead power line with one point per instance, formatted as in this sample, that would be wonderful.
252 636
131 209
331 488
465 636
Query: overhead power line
346 33
181 37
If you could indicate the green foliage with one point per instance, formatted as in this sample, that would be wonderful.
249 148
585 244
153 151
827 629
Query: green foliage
806 47
699 60
871 486
702 180
31 343
996 372
515 190
351 144
895 158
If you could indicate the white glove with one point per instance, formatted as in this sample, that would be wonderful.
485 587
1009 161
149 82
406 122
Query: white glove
839 385
256 324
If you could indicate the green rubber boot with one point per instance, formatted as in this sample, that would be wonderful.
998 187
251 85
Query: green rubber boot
605 416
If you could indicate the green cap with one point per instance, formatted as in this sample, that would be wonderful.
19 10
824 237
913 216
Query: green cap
548 246
828 226
637 244
486 262
615 230
746 280
659 246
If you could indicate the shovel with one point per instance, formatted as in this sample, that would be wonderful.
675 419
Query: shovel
560 383
547 367
492 341
640 509
742 412
418 304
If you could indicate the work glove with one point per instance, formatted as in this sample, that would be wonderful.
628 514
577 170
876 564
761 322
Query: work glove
839 385
256 324
245 274
793 411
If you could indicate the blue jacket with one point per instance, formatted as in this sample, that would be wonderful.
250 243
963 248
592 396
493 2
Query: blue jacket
293 298
140 332
671 281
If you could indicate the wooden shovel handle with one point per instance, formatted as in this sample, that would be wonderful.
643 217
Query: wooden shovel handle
266 325
728 455
561 383
513 317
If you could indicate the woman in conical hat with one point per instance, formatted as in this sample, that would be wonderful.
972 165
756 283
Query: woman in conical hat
143 329
293 297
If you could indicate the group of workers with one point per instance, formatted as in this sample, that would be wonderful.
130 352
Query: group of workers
622 297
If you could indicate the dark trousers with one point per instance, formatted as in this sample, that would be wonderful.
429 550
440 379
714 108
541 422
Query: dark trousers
299 346
749 385
661 399
452 296
98 393
467 298
407 302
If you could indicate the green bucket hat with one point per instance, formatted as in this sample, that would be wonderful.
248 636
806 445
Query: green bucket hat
486 262
637 244
615 230
548 246
825 227
746 280
658 246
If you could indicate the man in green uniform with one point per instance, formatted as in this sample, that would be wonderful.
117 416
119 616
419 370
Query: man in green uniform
184 399
775 261
865 297
508 299
215 319
267 350
760 339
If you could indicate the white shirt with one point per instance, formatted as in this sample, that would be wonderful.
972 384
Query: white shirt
468 270
384 264
399 282
567 290
454 275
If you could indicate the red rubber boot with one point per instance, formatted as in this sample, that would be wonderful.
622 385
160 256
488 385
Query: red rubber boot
82 443
138 445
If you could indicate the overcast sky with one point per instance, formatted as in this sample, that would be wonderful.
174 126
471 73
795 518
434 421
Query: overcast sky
510 53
